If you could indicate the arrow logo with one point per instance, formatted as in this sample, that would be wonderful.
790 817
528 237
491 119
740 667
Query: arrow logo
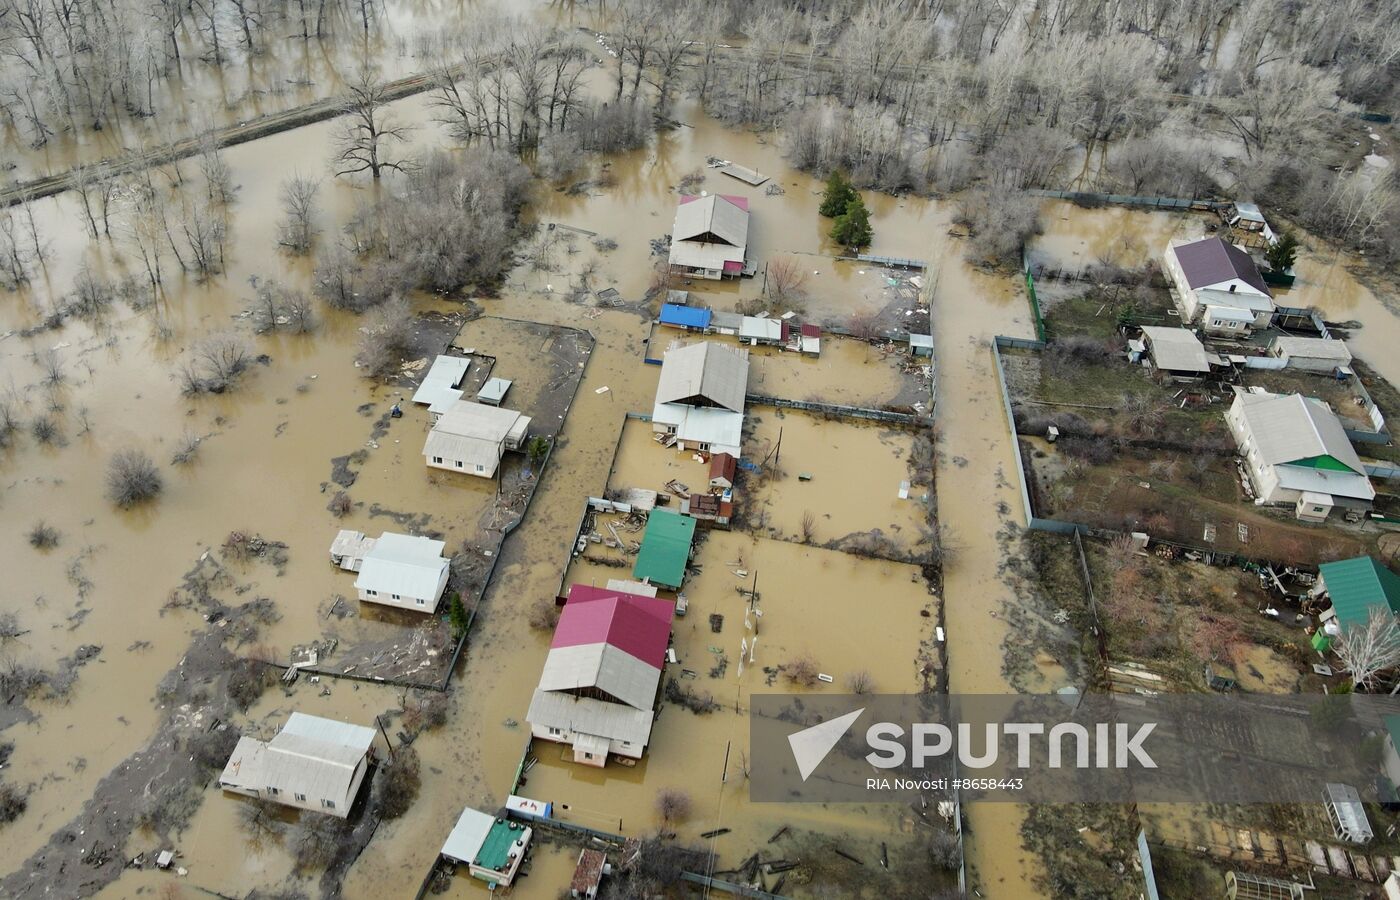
811 745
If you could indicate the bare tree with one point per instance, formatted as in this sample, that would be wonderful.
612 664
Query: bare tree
1280 104
298 227
368 132
132 478
1369 649
673 806
785 279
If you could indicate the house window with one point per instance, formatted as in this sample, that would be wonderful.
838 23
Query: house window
481 468
395 596
555 731
328 804
421 601
588 756
459 464
301 798
369 593
272 791
437 460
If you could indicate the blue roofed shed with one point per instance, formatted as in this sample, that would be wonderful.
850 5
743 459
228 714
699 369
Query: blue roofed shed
692 318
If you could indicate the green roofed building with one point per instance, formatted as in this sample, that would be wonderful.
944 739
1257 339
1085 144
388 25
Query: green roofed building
492 847
665 549
1358 586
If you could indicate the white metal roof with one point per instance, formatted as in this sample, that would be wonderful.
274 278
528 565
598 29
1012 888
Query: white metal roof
467 418
404 565
1247 300
467 836
628 586
494 390
1229 313
605 667
1313 348
351 543
439 387
712 214
718 427
311 755
473 452
584 715
714 372
1290 427
1176 349
763 329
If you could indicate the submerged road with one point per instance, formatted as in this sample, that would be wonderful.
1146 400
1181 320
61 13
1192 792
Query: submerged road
977 501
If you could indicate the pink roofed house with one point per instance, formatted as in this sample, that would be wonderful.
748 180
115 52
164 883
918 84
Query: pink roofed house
600 680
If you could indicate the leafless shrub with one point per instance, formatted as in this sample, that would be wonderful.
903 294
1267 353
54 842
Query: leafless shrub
396 785
809 526
699 702
261 819
385 338
215 364
43 536
10 628
558 157
297 229
801 670
316 839
785 280
17 680
673 806
13 803
544 614
91 296
425 711
132 478
50 364
999 223
9 419
45 430
186 449
340 504
859 682
211 749
247 679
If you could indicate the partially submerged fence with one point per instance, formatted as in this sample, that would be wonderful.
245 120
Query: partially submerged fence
1091 198
906 420
1030 292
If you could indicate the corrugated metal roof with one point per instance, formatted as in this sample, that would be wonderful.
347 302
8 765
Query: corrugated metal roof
472 452
604 667
685 316
477 420
763 329
706 370
1290 427
1214 261
494 390
636 624
723 215
468 835
351 543
311 755
1359 585
665 548
439 386
584 715
405 565
1176 349
1312 348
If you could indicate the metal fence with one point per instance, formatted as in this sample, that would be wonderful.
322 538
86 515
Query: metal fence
1030 292
1090 197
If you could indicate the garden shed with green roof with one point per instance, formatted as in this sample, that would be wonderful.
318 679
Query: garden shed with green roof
665 549
1357 586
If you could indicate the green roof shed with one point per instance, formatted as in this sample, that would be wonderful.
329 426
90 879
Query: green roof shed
665 549
1359 585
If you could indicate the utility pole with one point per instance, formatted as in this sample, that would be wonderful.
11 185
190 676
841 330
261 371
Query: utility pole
380 722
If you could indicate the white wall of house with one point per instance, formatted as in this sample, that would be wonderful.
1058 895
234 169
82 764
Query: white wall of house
462 466
565 736
332 806
1390 760
1194 303
1263 476
404 601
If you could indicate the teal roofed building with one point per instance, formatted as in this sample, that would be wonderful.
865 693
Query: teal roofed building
1357 586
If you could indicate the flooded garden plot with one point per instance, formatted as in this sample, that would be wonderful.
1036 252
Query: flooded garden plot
849 372
804 594
838 483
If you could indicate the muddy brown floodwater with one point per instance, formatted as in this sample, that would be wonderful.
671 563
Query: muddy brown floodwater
266 452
